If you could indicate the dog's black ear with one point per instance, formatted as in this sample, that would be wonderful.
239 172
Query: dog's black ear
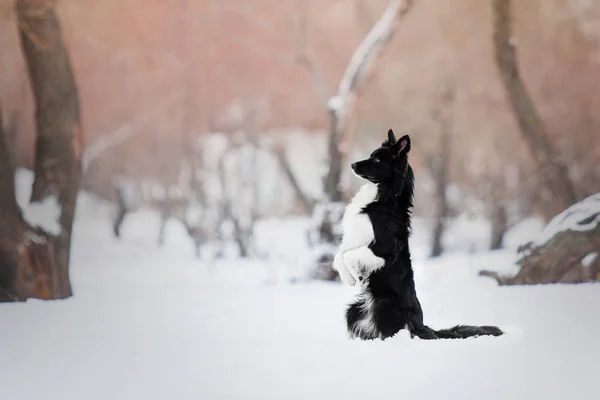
403 145
391 137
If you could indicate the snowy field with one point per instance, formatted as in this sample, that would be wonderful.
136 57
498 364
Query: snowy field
149 323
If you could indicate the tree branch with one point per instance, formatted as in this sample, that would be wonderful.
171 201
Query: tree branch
307 203
365 55
120 135
316 74
105 142
339 105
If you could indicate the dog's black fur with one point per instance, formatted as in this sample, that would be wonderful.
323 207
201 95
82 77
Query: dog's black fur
393 300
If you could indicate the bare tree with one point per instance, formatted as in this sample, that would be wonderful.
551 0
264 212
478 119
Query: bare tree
328 212
34 260
498 214
304 58
12 220
340 104
236 205
307 202
439 164
554 173
233 206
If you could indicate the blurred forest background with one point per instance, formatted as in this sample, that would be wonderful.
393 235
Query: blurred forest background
216 110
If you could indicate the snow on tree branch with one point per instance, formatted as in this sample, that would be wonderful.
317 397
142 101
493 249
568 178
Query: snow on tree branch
360 64
44 214
118 136
565 252
582 216
106 142
365 54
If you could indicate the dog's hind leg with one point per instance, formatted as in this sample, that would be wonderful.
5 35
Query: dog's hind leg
417 328
422 332
389 317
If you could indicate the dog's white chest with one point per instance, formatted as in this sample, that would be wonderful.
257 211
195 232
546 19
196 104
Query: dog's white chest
357 227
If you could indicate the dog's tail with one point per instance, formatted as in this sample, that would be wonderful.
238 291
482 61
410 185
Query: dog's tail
368 318
467 331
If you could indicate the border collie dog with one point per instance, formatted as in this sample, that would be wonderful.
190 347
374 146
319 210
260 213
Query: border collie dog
374 254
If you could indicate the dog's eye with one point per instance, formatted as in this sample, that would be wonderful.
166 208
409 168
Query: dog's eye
376 160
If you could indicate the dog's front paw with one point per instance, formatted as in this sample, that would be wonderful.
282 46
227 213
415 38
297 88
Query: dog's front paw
340 267
363 280
356 268
360 273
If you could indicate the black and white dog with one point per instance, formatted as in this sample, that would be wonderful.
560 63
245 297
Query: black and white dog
374 254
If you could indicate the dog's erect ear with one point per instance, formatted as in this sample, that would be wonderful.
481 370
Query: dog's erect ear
403 145
391 137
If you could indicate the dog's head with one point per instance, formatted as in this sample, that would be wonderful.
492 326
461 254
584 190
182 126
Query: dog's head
386 164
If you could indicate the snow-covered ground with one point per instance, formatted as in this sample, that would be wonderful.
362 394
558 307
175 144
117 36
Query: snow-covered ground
149 323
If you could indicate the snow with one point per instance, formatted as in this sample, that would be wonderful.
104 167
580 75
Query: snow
44 214
588 260
336 103
23 184
580 217
471 234
155 323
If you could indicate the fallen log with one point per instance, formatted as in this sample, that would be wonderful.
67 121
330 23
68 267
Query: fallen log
568 250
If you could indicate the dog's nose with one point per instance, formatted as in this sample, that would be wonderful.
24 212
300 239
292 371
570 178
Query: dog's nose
353 165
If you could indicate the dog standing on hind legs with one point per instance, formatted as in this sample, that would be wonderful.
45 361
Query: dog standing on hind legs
374 254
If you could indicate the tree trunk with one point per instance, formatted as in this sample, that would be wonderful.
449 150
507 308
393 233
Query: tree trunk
333 192
306 201
438 231
499 225
440 168
554 173
11 226
36 261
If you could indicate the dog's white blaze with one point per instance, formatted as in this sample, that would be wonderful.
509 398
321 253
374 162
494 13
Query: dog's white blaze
353 253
